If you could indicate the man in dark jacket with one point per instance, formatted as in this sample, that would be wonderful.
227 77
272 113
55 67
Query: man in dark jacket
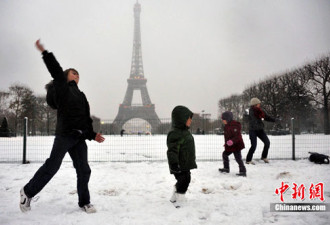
4 130
181 152
256 129
74 125
233 143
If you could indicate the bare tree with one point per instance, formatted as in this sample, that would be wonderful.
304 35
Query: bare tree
295 100
233 103
319 75
270 92
29 110
17 93
249 93
45 116
3 102
283 95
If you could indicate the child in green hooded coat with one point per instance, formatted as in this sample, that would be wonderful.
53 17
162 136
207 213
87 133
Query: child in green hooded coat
181 152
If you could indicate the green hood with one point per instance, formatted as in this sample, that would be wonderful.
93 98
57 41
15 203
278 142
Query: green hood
180 115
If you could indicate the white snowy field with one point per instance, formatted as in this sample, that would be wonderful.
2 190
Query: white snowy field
138 193
134 148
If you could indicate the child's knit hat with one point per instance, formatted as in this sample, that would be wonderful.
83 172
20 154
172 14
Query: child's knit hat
228 116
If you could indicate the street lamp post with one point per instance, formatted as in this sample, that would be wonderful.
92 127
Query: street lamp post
203 123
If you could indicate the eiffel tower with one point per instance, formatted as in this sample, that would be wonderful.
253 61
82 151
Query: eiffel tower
137 81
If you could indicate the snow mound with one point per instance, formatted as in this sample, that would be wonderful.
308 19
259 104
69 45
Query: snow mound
233 185
284 175
207 190
109 192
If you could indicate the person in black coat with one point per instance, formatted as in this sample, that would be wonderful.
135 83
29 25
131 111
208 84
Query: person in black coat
4 130
74 126
256 129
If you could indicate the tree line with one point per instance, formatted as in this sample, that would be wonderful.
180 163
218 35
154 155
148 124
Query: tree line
302 93
19 101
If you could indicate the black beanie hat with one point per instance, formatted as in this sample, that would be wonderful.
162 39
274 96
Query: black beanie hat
228 116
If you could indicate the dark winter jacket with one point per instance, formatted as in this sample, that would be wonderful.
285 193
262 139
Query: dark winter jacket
51 95
255 118
232 132
73 114
180 142
4 130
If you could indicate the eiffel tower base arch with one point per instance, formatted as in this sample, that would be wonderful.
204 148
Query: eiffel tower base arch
126 113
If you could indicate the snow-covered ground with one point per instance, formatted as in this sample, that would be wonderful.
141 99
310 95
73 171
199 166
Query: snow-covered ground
138 193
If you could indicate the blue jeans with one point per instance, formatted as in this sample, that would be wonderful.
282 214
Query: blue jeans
253 138
77 149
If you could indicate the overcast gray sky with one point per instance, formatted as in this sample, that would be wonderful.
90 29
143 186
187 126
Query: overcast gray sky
194 51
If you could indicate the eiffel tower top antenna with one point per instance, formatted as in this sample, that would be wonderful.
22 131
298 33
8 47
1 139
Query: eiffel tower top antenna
137 63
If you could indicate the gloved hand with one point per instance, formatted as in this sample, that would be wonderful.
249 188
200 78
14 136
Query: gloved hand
175 168
230 142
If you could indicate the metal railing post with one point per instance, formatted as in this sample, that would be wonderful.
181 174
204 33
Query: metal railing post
24 139
293 140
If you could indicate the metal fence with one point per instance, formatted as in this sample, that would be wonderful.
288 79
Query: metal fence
140 142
